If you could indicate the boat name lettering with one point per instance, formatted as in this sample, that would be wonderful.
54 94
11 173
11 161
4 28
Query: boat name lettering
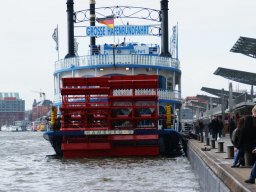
109 132
119 30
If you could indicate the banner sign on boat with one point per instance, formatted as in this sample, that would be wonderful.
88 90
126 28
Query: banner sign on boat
109 132
168 108
119 30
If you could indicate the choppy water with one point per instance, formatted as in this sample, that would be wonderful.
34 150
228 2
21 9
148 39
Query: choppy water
26 166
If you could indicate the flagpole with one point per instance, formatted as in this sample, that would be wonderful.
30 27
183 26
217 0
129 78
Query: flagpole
114 59
58 42
114 56
177 43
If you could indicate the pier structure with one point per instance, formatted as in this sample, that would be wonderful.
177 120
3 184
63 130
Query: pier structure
213 163
213 167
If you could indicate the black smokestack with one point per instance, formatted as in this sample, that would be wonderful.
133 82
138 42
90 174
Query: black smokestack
164 29
70 13
92 21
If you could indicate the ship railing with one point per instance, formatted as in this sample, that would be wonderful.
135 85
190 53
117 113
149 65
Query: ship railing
128 92
121 92
162 94
133 59
169 95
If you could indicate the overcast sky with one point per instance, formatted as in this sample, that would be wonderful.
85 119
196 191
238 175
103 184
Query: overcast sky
207 31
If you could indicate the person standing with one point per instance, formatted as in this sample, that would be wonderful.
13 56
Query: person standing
221 126
239 153
248 141
210 127
215 127
232 126
201 127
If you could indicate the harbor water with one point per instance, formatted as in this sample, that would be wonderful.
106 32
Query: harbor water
27 164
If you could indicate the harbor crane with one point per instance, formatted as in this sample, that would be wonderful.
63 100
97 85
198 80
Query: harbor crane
41 95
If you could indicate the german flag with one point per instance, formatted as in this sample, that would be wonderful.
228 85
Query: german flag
109 21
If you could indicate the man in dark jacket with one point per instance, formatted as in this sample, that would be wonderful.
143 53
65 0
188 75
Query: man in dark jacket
232 126
215 127
248 140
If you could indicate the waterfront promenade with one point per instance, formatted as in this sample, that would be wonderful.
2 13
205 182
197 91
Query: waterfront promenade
229 179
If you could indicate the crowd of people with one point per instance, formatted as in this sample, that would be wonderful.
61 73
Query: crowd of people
242 132
245 142
216 128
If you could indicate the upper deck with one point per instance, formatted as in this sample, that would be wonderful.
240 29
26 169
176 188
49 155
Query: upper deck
130 55
135 60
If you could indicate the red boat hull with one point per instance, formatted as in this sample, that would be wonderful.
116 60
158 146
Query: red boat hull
113 152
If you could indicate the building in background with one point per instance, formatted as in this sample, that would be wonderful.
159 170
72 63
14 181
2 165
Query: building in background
40 109
12 108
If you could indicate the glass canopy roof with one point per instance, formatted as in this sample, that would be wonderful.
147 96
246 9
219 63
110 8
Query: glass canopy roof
246 46
236 75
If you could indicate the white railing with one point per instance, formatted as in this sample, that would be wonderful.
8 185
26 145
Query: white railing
162 94
92 60
122 92
169 95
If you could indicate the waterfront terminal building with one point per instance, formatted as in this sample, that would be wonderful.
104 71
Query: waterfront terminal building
12 108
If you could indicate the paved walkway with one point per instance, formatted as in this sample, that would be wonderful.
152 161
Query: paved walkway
220 164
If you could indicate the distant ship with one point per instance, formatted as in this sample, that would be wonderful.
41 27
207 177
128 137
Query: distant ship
120 100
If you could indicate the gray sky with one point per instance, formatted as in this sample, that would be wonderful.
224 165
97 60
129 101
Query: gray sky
207 31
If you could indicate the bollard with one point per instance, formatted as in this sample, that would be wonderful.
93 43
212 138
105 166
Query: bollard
202 138
230 151
207 141
213 143
220 146
248 159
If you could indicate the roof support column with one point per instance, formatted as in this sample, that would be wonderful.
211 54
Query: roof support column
230 100
222 110
252 93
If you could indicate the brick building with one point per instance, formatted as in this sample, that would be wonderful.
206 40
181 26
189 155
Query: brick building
40 109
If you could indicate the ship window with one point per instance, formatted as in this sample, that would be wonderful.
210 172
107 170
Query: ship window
161 82
170 83
162 110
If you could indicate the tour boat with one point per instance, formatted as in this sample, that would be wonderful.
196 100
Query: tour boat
123 99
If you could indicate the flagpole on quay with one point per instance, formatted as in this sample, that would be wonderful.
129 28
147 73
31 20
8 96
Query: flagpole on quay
58 42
